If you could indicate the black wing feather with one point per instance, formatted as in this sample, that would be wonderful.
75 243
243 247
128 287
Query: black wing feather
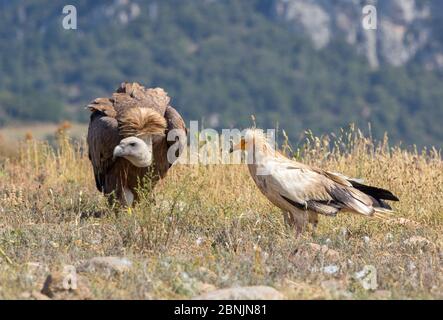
323 207
377 193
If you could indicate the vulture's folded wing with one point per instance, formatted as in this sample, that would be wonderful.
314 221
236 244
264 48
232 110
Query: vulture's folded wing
297 183
102 138
315 190
376 194
176 132
174 119
175 122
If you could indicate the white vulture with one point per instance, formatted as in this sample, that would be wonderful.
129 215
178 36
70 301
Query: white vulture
302 192
127 138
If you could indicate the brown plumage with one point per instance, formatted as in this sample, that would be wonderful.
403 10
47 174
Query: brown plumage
303 192
132 111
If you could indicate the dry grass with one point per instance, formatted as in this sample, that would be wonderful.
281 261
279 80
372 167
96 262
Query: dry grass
210 225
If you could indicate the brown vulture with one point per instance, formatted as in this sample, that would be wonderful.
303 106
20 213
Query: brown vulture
128 137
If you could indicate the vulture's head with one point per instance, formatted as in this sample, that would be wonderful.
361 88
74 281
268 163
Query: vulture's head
250 138
135 150
253 139
139 126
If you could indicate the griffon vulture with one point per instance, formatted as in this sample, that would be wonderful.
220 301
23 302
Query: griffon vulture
302 192
126 132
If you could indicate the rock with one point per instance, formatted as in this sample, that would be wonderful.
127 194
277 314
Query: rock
403 29
35 267
313 249
66 284
309 17
107 265
367 277
54 244
366 240
344 232
34 271
403 11
331 269
243 293
350 263
199 241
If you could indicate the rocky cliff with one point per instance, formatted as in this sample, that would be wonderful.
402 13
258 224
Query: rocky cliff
405 28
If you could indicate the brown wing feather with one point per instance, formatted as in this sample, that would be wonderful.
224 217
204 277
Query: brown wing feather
130 95
103 106
102 138
173 121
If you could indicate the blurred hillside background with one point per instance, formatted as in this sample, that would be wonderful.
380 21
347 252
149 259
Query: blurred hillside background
298 64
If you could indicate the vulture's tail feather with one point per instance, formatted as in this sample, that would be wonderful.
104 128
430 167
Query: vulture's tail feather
377 193
383 213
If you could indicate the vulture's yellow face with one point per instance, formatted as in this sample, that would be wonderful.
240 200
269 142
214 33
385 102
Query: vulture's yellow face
135 150
241 145
246 142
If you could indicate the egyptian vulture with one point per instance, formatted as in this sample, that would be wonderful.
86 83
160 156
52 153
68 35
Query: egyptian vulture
127 138
302 192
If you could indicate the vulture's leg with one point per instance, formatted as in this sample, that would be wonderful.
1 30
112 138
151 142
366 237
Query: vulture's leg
128 197
287 217
313 219
300 220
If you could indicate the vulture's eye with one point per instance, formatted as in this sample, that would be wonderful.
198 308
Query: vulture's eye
132 144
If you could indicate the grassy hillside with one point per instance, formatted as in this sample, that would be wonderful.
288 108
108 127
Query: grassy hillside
221 61
184 241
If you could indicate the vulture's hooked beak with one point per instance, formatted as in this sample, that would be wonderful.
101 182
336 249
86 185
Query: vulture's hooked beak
118 152
239 146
